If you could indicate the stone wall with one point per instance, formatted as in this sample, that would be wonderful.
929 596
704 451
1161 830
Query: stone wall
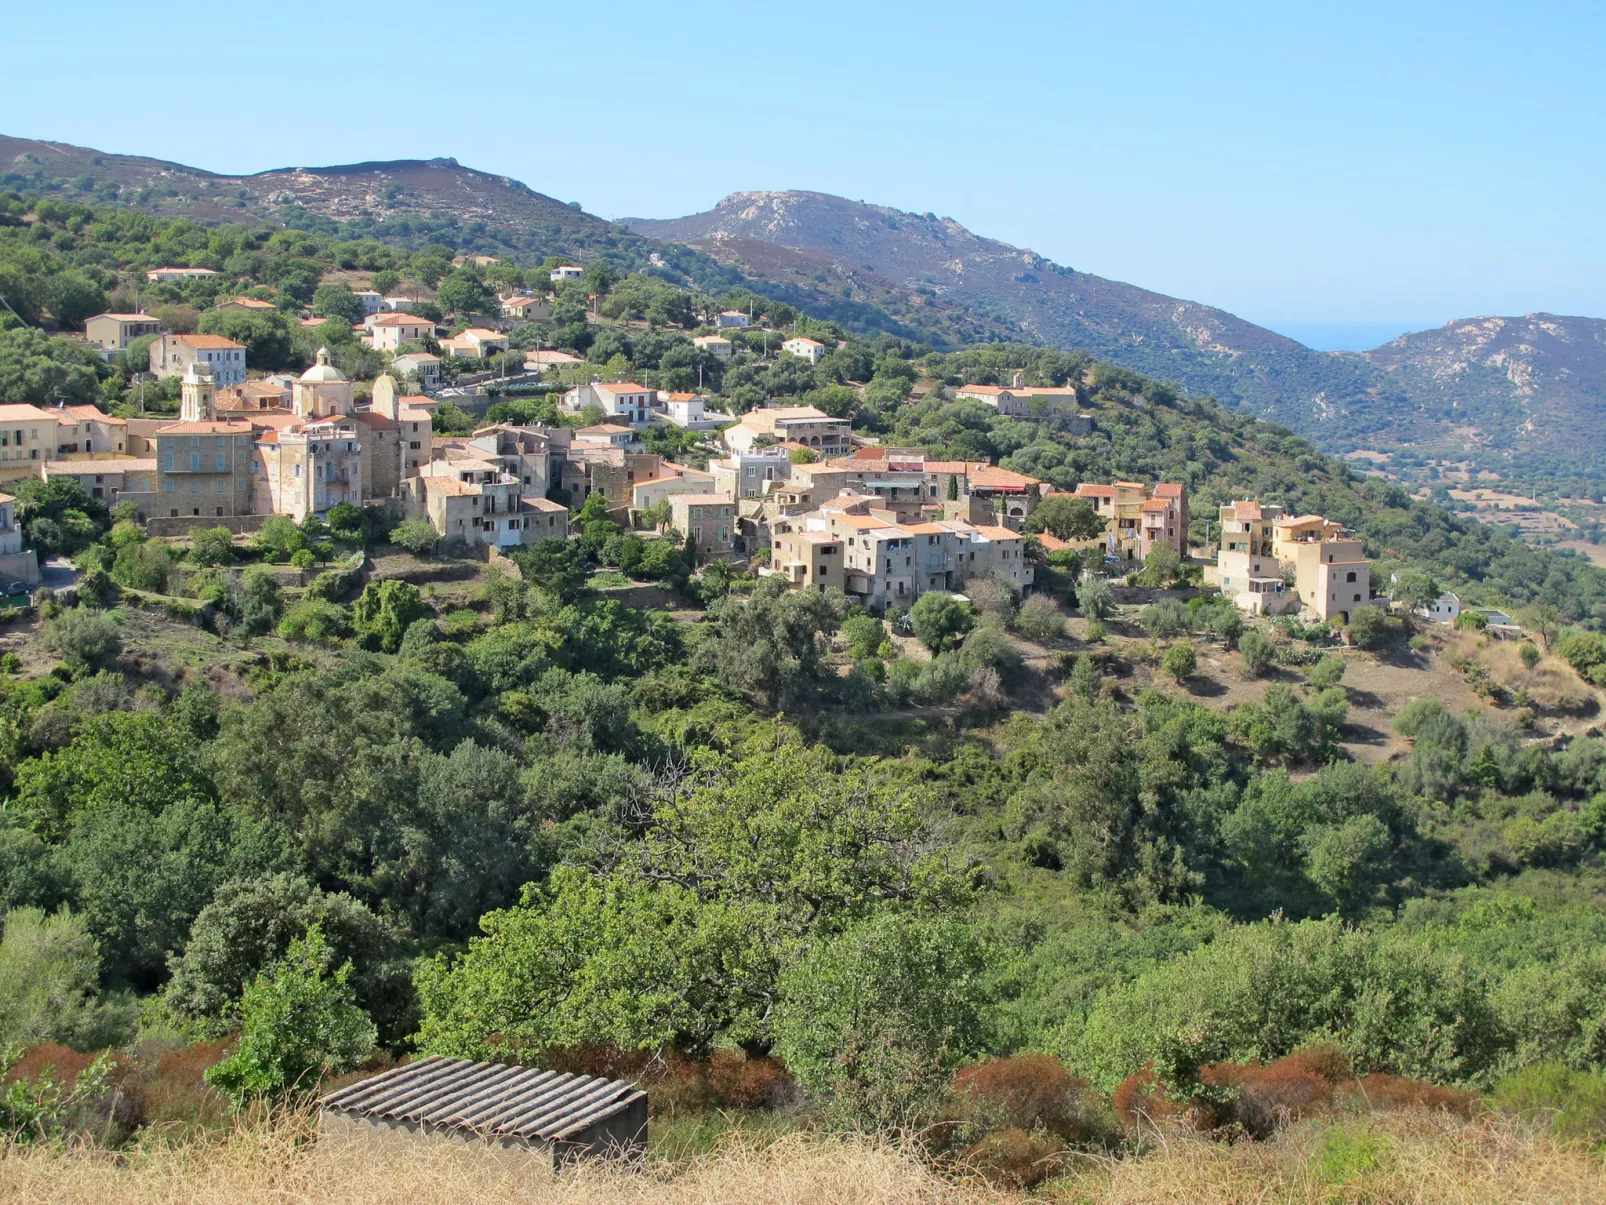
184 526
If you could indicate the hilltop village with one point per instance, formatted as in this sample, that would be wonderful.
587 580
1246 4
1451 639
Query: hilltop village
794 490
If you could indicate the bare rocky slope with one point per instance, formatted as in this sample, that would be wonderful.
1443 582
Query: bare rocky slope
1529 389
1524 396
363 192
1205 349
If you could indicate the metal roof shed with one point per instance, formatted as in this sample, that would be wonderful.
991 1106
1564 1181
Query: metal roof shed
521 1113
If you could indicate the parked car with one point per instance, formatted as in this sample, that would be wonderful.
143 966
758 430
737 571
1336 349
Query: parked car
16 588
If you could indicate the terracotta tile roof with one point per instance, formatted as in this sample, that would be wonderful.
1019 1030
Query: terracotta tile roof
1168 489
211 342
134 317
621 387
705 499
960 467
93 414
250 303
604 429
113 464
926 529
776 414
399 319
659 480
1246 510
377 421
22 411
985 390
1156 506
1088 489
213 428
1051 542
862 522
450 486
997 534
279 420
990 477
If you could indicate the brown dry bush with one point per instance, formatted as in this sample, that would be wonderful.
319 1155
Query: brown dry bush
677 1085
61 1063
1264 1098
1259 1099
1141 1099
1383 1093
1013 1118
1031 1092
165 1088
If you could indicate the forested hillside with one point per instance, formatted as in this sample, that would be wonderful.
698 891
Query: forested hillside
1518 397
419 205
1018 874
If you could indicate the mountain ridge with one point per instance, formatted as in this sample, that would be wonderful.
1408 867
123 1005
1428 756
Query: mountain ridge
1529 404
1533 388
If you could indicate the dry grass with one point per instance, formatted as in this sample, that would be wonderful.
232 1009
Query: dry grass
1552 684
1412 1159
1408 1159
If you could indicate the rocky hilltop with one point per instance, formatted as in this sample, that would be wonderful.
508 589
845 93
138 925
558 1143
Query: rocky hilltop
368 192
1533 385
1205 349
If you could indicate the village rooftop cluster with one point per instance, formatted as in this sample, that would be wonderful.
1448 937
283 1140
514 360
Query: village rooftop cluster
801 493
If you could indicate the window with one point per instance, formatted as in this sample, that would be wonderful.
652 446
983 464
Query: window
1350 576
170 460
222 462
195 462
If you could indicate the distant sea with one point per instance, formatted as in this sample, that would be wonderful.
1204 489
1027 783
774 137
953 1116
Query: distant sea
1346 336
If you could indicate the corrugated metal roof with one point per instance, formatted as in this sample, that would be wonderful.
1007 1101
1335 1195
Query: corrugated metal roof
488 1098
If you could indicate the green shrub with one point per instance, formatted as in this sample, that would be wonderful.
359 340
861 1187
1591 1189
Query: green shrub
417 536
1085 678
882 1016
87 640
864 635
1166 618
1180 661
940 620
1329 671
1367 626
1258 652
143 566
212 546
314 621
1571 1104
298 1022
1040 619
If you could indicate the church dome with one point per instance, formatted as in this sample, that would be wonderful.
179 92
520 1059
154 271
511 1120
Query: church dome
323 370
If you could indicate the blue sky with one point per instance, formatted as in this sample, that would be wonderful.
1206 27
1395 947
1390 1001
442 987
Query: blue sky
1319 165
